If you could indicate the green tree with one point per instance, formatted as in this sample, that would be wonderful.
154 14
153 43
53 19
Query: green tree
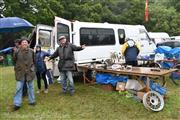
163 14
163 19
35 11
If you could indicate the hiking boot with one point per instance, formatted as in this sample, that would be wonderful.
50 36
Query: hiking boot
46 91
38 91
32 104
71 93
16 108
62 93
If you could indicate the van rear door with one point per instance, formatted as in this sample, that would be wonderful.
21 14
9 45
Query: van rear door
44 36
62 28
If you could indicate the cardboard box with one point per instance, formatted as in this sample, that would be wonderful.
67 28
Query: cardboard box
140 95
120 86
107 87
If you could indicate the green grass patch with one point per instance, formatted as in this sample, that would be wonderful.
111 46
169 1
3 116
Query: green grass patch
90 102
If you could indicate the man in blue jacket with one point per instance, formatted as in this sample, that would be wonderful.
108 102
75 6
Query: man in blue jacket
130 50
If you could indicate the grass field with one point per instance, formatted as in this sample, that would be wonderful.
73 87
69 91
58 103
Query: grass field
88 103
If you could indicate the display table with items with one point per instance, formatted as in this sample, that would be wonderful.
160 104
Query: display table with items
149 92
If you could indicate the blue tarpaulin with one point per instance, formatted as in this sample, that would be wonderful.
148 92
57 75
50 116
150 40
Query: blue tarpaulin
155 86
164 50
104 78
169 52
175 52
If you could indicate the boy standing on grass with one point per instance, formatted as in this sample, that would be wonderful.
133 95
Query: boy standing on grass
41 68
24 71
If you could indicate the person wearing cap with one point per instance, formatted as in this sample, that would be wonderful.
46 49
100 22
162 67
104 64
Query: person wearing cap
41 68
11 49
16 43
130 50
24 71
66 65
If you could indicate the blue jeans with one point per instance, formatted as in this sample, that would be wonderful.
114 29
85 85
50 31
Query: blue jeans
19 90
65 76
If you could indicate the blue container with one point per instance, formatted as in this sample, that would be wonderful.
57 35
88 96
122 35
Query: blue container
156 87
175 75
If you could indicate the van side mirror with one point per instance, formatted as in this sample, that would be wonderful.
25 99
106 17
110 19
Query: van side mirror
151 41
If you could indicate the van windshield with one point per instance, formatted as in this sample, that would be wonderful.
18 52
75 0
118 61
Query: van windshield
143 35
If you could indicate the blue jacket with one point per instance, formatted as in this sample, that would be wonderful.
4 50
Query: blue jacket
39 61
131 53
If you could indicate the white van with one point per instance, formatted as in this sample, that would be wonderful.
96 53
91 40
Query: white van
100 38
159 36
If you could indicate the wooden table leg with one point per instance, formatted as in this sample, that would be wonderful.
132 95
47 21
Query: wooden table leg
164 81
84 76
148 83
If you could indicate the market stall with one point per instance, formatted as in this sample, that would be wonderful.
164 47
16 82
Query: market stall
151 99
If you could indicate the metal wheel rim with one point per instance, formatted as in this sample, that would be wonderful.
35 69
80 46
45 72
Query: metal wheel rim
153 101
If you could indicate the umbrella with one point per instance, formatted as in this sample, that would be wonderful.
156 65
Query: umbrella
13 24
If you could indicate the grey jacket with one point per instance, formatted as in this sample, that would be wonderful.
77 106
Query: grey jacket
66 56
24 64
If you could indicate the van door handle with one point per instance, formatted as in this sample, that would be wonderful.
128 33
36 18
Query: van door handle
93 59
142 45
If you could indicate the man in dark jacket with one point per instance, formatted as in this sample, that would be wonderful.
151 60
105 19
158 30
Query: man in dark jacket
15 48
66 65
24 71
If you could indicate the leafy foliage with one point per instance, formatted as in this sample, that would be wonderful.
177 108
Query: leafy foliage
164 15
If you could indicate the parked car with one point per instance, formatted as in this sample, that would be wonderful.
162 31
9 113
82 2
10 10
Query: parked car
170 43
175 37
159 36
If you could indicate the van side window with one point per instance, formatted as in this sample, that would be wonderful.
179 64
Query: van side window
63 30
121 35
97 36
